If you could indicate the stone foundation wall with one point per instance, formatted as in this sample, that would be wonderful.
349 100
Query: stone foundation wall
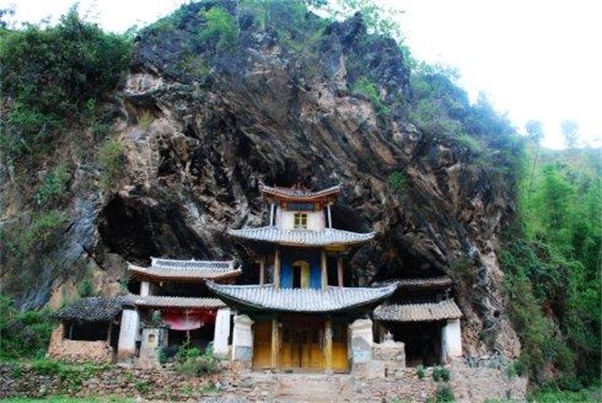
467 383
78 350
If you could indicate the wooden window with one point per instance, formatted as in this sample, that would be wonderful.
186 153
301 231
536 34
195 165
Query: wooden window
300 220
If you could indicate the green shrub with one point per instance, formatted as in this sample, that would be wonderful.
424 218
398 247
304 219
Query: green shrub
592 394
24 334
441 373
365 87
54 185
221 29
146 118
190 361
420 371
444 394
48 366
143 387
468 142
85 289
515 368
111 158
398 183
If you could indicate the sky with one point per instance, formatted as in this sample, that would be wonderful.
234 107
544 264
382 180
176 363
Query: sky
534 59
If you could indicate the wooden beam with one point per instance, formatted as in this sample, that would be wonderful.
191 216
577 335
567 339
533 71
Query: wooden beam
323 264
262 270
340 270
109 332
275 342
277 269
328 344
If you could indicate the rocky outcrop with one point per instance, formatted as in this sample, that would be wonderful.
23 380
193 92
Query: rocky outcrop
203 126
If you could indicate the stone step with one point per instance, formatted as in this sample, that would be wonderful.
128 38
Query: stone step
308 388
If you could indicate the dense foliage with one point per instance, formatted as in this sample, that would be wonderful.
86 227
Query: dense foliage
552 258
50 75
23 334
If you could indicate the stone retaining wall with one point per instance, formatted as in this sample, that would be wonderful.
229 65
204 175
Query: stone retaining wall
157 384
468 384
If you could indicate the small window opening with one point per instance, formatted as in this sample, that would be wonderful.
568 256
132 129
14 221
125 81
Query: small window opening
300 220
88 331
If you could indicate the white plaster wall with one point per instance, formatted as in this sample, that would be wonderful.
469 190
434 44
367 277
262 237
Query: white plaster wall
222 332
451 340
315 220
242 338
145 289
130 322
360 339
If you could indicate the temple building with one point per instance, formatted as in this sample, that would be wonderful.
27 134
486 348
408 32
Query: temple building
302 314
174 306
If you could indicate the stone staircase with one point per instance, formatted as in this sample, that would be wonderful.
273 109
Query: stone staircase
310 388
298 388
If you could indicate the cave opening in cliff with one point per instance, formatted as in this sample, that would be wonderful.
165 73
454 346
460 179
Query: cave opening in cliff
139 229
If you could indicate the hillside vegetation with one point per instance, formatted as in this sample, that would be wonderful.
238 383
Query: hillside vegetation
552 259
61 98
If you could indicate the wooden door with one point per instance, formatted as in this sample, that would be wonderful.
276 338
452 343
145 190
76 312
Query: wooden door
301 347
340 362
262 344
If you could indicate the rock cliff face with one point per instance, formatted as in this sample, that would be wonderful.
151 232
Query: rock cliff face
203 123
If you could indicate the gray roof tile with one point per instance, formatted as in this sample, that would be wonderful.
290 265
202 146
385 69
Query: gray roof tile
301 299
297 237
93 309
155 301
441 281
186 269
446 309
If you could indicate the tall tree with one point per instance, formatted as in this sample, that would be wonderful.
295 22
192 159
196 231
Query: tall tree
535 135
570 131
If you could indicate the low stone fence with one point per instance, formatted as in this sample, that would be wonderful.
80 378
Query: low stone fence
26 380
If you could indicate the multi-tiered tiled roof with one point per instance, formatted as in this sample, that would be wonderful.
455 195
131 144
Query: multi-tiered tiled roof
429 311
302 237
186 270
306 300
